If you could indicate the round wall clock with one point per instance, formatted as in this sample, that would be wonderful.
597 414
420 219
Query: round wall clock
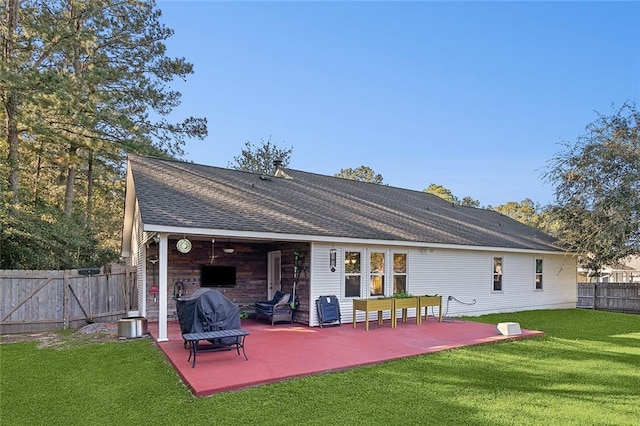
184 245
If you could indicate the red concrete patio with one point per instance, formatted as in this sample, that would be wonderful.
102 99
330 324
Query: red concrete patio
284 351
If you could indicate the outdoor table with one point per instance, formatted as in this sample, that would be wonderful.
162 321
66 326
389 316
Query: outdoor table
193 338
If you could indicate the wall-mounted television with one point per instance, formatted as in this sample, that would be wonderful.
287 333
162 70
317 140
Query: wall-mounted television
217 276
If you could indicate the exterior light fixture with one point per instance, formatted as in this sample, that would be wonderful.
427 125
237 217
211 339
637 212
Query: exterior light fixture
156 238
228 249
213 252
332 259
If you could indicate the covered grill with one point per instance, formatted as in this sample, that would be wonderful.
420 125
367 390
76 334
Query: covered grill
207 310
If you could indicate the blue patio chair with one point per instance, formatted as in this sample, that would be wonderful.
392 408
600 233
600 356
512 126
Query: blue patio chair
277 309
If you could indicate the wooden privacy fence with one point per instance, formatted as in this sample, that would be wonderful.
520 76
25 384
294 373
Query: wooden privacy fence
32 301
619 297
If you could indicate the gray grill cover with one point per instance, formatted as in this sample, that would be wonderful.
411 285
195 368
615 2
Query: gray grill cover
207 310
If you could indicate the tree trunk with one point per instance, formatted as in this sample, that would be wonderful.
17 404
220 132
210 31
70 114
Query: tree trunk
11 104
89 212
73 149
13 142
71 178
36 185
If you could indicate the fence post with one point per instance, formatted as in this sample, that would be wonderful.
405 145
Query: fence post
65 300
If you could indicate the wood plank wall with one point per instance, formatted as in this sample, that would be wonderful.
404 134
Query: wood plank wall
250 261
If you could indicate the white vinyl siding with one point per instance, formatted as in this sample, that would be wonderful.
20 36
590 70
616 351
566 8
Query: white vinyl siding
463 275
139 258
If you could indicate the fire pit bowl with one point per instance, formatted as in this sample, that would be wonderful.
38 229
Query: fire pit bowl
132 328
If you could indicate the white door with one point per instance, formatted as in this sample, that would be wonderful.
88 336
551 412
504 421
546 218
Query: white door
273 274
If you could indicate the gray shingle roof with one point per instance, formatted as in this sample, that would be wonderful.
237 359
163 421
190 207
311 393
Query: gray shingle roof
173 193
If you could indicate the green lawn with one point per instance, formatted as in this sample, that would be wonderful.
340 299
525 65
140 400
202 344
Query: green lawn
586 370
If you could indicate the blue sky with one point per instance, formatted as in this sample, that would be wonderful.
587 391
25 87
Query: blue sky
474 96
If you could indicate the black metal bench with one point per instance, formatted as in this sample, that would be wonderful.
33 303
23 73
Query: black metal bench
192 339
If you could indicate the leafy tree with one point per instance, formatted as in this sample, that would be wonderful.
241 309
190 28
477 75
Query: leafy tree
446 194
597 189
46 238
260 159
470 202
362 174
526 212
442 192
82 84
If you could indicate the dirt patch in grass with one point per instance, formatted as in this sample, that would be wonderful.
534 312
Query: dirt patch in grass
98 332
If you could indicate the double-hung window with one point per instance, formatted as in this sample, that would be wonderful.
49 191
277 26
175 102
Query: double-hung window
376 274
497 273
399 272
352 274
538 276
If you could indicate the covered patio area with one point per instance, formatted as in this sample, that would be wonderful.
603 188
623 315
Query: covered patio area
284 351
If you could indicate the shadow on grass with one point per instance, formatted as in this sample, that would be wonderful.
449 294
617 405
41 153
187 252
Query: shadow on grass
583 371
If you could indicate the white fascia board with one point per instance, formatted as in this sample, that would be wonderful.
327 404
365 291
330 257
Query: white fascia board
130 203
428 245
270 236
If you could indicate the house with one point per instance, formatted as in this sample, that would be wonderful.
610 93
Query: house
189 225
625 271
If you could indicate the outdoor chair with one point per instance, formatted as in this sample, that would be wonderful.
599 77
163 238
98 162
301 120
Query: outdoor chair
277 309
328 310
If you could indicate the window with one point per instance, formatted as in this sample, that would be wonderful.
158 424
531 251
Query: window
497 274
376 274
352 274
399 272
538 274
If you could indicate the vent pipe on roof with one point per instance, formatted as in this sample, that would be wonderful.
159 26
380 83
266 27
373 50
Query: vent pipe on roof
279 170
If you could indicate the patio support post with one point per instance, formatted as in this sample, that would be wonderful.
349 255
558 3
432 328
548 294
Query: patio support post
162 299
142 280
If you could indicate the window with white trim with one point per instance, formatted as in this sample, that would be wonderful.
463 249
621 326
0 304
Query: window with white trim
538 277
399 272
376 273
352 274
497 273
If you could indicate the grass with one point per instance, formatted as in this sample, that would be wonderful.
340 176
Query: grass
586 370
